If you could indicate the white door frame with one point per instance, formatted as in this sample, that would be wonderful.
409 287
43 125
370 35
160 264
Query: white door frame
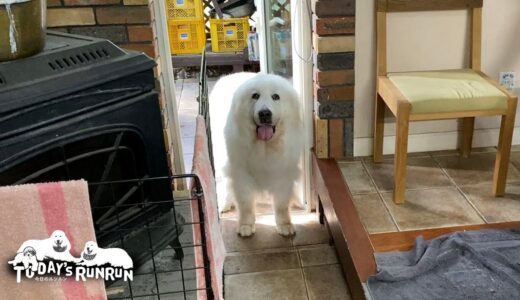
302 80
165 65
263 42
302 75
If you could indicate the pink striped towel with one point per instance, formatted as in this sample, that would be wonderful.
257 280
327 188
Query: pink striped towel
33 212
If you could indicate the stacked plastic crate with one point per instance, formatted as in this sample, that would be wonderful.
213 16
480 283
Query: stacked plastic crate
229 35
186 26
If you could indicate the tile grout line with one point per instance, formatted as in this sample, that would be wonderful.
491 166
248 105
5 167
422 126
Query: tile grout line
255 251
301 268
417 189
259 272
303 274
460 191
380 196
262 214
260 251
327 264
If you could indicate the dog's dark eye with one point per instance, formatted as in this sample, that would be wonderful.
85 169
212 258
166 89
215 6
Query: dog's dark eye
275 97
256 96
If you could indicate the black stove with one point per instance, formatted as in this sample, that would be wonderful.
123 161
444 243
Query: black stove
84 108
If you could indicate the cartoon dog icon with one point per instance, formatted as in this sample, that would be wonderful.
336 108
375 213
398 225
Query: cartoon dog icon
56 247
92 255
28 258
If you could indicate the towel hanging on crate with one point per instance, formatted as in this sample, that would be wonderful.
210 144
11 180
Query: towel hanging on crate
34 212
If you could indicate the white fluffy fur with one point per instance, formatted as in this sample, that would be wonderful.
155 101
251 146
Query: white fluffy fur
92 255
44 249
255 168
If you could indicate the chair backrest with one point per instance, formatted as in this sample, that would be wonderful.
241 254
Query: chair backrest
387 6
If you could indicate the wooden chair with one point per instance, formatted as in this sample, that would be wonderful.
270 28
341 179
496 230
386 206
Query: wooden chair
417 96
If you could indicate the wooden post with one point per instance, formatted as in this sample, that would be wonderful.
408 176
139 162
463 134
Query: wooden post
401 151
467 136
379 117
504 148
476 39
379 129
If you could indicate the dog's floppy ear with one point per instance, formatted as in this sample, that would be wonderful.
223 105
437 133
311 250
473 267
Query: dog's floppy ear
241 97
294 103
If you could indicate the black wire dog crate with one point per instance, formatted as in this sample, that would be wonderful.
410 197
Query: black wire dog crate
165 238
86 109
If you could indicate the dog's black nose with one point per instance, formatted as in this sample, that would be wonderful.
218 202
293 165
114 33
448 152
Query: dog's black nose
265 116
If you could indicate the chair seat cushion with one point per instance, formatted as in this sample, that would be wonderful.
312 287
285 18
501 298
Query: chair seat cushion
448 91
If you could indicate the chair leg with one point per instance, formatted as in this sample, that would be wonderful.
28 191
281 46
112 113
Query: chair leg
467 136
401 152
379 128
504 149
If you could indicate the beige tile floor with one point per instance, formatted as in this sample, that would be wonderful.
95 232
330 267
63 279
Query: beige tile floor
268 266
443 190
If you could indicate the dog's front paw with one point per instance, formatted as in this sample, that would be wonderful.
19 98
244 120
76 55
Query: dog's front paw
285 229
226 207
246 230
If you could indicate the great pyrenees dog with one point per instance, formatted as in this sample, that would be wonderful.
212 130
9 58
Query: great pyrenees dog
57 247
92 255
263 138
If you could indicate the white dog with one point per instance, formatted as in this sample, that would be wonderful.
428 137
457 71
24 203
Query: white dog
263 138
57 247
28 259
92 255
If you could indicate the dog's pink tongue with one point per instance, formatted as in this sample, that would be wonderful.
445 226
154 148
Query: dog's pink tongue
265 132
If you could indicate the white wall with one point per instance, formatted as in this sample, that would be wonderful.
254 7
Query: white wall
433 40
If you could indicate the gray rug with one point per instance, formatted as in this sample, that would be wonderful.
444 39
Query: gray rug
482 264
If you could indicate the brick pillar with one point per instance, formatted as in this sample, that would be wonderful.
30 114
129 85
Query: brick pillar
124 22
333 47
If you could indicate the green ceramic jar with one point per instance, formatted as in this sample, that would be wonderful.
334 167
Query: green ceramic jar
22 28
